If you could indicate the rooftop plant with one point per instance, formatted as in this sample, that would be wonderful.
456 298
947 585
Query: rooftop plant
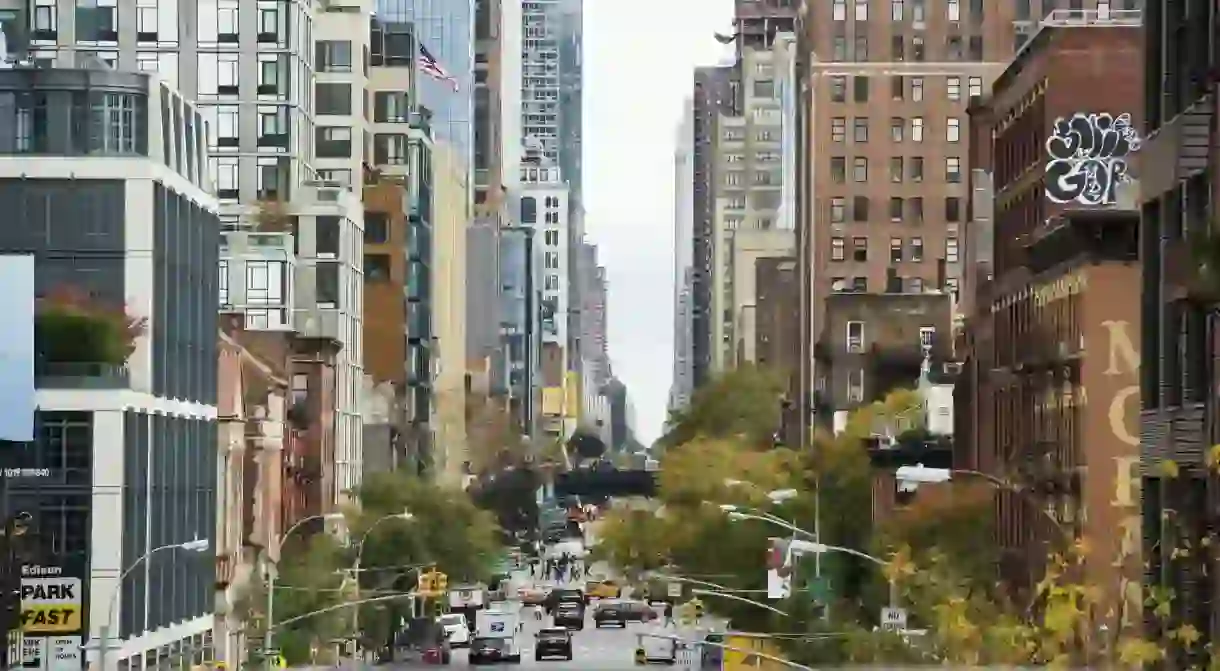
71 326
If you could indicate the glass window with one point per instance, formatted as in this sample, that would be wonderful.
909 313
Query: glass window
917 129
953 208
331 98
226 177
916 168
896 10
390 149
333 56
529 210
838 89
951 250
838 129
839 11
895 250
859 249
917 249
896 169
376 227
953 88
327 236
377 268
860 169
916 89
953 130
333 142
838 169
975 86
97 21
860 129
896 128
896 208
861 10
859 208
860 87
838 249
953 169
838 208
326 284
225 128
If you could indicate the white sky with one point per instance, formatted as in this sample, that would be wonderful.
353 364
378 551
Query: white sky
639 57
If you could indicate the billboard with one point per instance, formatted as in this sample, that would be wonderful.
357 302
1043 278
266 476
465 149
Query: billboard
17 348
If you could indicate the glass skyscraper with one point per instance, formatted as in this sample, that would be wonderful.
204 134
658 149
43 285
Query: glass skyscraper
446 28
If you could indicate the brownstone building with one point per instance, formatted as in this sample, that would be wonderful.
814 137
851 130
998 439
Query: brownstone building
872 344
1051 366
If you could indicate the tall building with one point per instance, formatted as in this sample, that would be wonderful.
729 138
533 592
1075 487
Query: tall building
594 297
715 93
451 180
103 176
682 383
1177 373
882 118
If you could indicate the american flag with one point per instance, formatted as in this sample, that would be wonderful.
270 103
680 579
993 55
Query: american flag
431 67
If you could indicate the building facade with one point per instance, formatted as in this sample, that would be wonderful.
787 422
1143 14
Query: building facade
682 383
1177 374
131 449
1050 355
449 261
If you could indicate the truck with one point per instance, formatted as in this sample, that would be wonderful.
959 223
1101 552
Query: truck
496 637
468 600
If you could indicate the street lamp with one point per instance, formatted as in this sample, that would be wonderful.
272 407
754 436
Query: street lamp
199 545
920 474
273 574
405 516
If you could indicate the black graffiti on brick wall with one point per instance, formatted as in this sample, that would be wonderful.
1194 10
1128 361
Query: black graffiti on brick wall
1087 158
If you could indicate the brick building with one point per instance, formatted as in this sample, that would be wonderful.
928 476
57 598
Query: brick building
1035 409
1178 344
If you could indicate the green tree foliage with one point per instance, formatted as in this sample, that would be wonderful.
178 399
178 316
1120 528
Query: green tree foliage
72 327
311 578
744 404
448 531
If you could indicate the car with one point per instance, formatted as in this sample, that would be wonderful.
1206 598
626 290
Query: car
603 589
533 596
610 613
457 630
570 616
493 650
638 611
565 595
553 642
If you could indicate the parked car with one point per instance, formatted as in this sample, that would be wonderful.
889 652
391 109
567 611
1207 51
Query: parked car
610 613
603 589
553 642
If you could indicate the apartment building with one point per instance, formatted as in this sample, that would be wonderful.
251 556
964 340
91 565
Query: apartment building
1051 354
748 248
113 200
1178 169
682 382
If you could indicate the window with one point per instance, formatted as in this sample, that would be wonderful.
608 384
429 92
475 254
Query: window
46 22
529 210
860 89
838 129
859 209
147 21
227 178
764 88
975 47
97 21
376 227
917 129
916 209
916 168
763 136
951 250
859 249
955 48
861 54
953 169
898 50
918 11
919 52
840 49
332 99
855 386
839 11
838 169
859 169
951 286
733 158
953 88
855 337
896 210
915 285
390 149
551 260
391 106
326 284
926 335
916 89
333 142
327 236
896 10
226 74
837 249
917 249
225 129
953 130
895 250
861 10
896 125
838 89
551 238
953 208
898 87
269 74
975 87
376 267
838 208
859 131
733 178
268 22
859 285
896 169
551 282
953 10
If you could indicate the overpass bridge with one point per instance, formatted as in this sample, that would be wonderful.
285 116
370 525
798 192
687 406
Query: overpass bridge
605 483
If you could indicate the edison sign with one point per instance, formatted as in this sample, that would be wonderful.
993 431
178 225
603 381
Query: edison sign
50 605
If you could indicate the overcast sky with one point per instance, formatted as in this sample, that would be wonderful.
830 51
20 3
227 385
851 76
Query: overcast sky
639 57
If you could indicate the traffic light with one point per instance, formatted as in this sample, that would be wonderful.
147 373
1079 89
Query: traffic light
425 582
438 607
440 581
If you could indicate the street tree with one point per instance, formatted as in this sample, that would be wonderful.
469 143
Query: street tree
312 577
744 405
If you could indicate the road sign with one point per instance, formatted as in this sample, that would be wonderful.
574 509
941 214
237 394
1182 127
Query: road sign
674 589
893 619
63 653
51 605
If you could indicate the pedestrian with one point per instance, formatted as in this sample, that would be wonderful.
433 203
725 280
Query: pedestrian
669 614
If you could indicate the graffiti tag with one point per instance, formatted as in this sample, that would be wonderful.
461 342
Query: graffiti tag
1087 158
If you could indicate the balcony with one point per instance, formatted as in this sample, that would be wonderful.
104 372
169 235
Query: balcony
318 323
81 376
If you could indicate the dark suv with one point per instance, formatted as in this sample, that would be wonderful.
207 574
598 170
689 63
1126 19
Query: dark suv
553 642
570 615
565 595
611 613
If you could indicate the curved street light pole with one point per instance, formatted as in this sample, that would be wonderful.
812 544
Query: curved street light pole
405 516
923 475
273 574
200 545
742 599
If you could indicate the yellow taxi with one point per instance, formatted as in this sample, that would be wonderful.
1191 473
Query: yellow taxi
603 589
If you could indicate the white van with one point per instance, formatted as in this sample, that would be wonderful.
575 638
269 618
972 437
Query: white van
656 650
